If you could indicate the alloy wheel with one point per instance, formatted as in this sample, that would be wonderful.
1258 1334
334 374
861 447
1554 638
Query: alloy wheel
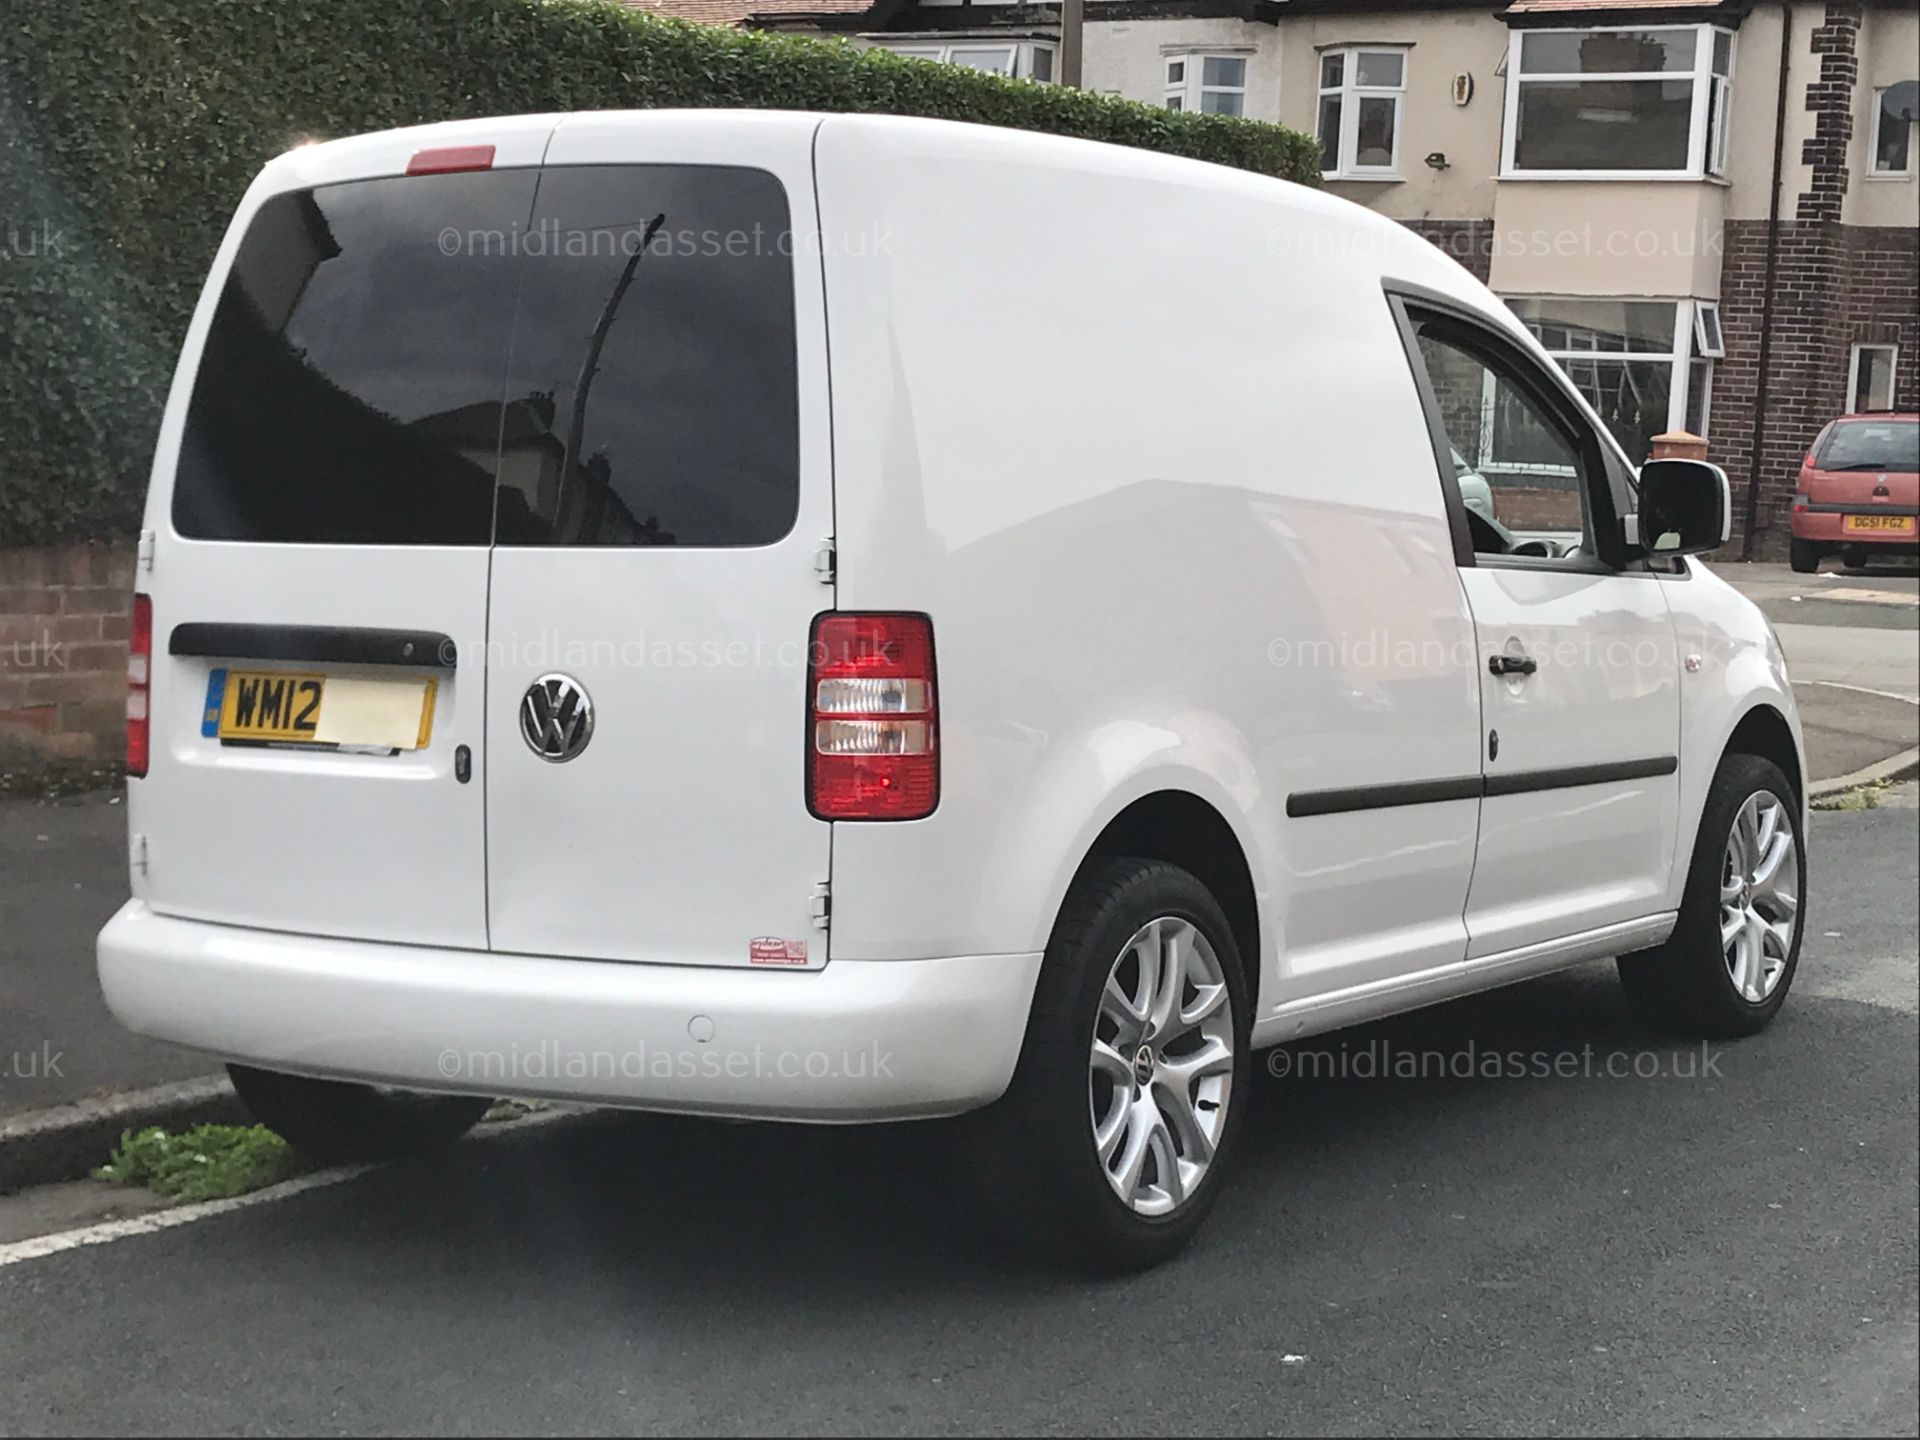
1160 1074
1759 896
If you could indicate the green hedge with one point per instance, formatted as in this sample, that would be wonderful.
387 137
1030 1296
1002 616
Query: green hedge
129 128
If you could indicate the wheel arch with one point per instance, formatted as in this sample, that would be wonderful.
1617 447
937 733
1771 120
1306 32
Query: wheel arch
1180 828
1764 731
1765 728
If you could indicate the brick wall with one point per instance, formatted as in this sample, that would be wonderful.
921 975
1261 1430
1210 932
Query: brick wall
1526 507
1830 102
1836 286
63 653
1468 241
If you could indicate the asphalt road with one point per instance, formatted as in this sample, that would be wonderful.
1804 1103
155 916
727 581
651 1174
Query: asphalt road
1727 1245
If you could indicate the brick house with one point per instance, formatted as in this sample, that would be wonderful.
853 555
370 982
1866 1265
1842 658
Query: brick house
1628 174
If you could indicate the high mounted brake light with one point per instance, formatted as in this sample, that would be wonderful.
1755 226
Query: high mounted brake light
873 719
451 159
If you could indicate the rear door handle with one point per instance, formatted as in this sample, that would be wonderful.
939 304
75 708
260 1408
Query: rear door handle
1512 664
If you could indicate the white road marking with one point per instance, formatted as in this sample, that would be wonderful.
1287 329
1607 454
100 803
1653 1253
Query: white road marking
1867 690
41 1246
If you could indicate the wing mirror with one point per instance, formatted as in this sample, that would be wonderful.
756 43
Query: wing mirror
1686 508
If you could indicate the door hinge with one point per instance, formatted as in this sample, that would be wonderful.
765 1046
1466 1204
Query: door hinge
826 561
143 555
137 854
822 905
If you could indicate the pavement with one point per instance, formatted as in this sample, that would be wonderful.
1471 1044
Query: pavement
1850 638
1721 1242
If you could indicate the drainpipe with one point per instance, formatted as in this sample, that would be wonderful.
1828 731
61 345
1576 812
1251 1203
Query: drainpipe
1766 301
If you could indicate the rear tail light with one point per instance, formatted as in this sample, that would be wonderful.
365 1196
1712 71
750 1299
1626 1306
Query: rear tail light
139 685
873 719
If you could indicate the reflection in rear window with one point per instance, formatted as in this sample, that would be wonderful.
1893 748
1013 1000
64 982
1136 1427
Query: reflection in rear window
352 386
1871 445
655 354
365 380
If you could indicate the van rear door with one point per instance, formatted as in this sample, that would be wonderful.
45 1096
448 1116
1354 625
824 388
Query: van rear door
656 563
321 516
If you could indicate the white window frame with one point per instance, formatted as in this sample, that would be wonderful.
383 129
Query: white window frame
1719 87
1853 377
1692 321
1190 89
1706 152
1710 341
1351 93
1874 172
942 49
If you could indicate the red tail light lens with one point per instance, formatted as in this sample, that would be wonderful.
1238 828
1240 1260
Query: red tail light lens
451 160
873 721
139 685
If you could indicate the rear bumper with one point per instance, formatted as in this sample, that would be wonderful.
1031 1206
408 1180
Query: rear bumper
855 1041
1827 526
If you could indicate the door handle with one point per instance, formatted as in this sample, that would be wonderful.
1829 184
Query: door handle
1512 664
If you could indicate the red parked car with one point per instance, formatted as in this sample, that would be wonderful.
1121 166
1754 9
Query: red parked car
1859 491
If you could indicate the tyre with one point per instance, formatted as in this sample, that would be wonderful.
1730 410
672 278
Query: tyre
1853 559
1108 1149
1803 556
336 1122
1729 963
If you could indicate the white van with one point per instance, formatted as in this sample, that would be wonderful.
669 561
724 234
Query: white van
850 618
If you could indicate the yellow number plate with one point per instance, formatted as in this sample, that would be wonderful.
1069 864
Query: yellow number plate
290 708
1878 524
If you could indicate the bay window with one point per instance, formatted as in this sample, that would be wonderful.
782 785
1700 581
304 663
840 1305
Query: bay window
1361 93
1646 366
1619 102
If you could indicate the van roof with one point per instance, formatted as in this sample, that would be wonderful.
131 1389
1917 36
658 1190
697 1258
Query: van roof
522 140
312 161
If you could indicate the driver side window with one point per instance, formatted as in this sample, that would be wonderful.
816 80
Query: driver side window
1520 475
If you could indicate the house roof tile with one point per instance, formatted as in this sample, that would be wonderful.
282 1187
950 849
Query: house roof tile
741 12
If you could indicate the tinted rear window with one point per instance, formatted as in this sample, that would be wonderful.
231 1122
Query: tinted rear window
1871 445
655 358
352 386
366 380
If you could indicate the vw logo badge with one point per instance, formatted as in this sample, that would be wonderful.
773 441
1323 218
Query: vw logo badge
556 718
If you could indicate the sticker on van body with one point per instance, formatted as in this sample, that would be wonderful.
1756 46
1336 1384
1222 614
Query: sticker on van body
766 950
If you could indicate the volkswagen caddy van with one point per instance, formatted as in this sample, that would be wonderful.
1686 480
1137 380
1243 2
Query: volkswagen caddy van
858 619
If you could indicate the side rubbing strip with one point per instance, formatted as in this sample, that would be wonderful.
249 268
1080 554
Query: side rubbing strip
334 644
1527 781
1382 797
1472 787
